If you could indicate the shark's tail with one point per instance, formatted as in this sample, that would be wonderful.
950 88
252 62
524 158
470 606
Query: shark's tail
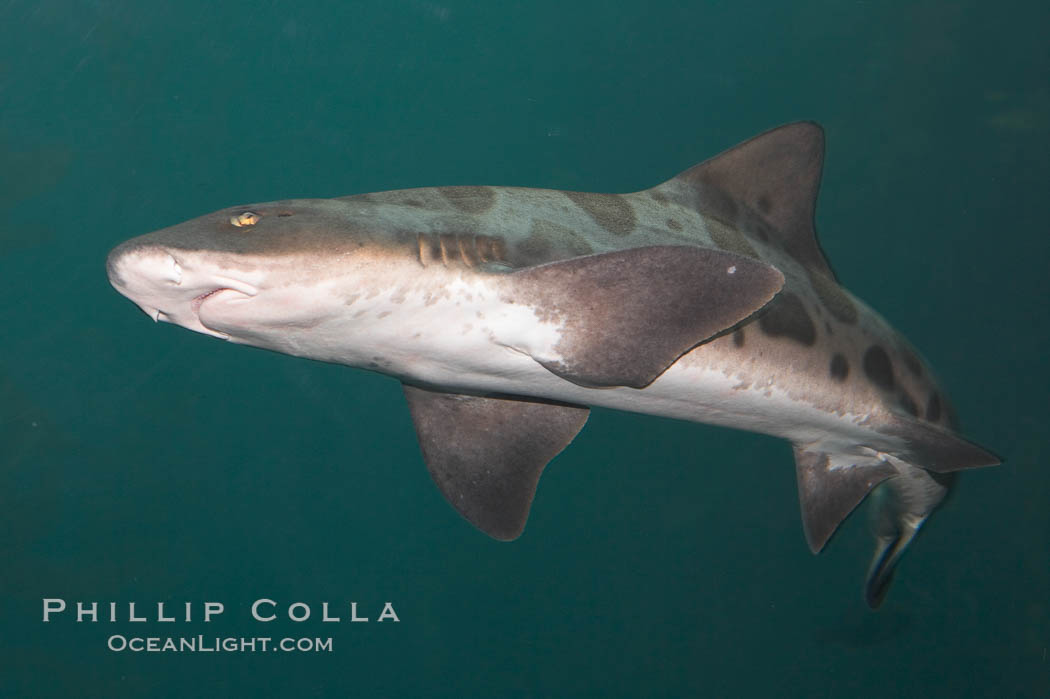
901 505
909 470
925 473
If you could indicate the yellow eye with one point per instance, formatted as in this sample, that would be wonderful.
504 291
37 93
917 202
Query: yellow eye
246 219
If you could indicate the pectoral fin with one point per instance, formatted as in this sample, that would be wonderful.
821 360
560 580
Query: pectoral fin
626 316
486 454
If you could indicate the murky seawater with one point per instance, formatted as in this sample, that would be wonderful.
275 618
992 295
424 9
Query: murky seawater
143 463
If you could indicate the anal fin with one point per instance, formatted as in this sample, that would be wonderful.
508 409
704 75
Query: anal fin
486 454
827 493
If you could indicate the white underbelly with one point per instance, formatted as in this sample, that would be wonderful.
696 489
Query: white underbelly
463 337
686 391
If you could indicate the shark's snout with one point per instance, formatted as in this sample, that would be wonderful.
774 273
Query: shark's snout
147 276
131 268
165 286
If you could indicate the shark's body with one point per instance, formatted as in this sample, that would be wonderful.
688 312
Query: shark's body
506 311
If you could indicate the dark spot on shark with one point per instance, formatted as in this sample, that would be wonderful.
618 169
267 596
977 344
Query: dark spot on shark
471 200
933 407
753 223
764 204
828 327
420 197
716 200
839 368
833 297
674 225
878 367
908 405
738 337
658 196
610 211
729 239
786 317
535 249
549 241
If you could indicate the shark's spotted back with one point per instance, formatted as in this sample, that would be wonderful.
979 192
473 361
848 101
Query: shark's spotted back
506 312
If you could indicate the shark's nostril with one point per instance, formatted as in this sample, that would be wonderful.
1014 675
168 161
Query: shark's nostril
176 270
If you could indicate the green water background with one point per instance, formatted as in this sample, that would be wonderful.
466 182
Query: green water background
146 463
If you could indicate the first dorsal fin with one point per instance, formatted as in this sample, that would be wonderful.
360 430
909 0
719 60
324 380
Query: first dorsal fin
766 187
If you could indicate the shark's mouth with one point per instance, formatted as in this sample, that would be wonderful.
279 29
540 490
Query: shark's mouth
215 312
195 304
239 289
222 293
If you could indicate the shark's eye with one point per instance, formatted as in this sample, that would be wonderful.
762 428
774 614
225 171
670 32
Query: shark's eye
247 218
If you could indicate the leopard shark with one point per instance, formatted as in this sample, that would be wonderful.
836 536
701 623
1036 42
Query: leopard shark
508 312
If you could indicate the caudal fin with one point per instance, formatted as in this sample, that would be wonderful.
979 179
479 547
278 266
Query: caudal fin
899 508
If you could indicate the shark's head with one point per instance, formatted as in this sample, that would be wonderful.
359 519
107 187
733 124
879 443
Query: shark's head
236 272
